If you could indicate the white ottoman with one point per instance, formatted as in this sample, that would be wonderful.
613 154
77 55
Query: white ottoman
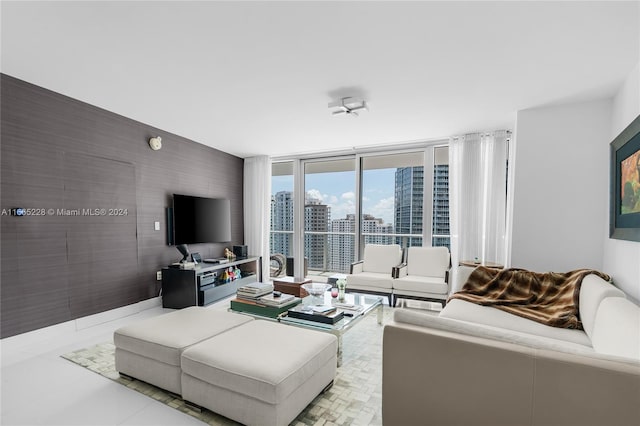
150 350
261 373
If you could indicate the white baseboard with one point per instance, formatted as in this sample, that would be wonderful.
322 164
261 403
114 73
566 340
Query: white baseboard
80 323
25 339
114 314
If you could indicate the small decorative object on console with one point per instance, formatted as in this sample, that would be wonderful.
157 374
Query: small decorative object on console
184 251
229 254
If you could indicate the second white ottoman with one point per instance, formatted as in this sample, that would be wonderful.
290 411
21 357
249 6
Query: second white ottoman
261 373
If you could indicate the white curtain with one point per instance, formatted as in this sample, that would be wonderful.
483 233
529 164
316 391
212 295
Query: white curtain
478 196
257 208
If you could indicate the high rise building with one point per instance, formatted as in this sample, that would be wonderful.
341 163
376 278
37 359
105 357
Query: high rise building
374 225
342 244
316 219
282 220
441 205
408 205
329 245
342 239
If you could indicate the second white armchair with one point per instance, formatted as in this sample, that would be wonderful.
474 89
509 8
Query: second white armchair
425 275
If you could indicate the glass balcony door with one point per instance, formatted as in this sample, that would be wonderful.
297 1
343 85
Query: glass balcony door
326 210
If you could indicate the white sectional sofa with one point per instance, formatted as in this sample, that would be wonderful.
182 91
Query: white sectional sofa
476 365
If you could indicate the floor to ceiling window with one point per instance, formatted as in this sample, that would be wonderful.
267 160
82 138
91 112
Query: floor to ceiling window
393 199
329 214
366 198
281 239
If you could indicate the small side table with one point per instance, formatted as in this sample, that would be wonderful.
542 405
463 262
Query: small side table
291 285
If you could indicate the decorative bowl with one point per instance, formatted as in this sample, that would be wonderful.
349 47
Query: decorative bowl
316 289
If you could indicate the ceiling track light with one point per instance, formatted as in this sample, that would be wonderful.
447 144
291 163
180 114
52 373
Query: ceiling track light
348 106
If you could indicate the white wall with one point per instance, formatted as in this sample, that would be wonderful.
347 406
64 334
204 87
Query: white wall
561 186
622 258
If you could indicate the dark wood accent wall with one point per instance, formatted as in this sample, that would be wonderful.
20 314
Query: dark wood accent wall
68 160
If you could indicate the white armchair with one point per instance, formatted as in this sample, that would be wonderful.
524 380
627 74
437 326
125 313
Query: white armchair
374 273
425 275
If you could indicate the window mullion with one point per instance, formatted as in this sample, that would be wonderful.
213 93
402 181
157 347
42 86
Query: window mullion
298 218
427 200
359 238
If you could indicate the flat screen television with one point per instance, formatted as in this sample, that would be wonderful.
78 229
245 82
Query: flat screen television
201 220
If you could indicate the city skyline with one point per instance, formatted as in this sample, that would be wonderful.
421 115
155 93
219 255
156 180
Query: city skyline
329 239
337 190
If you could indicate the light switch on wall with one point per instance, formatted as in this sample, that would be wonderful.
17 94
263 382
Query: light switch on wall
156 226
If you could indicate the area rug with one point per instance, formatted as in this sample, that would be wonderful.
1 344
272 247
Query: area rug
354 399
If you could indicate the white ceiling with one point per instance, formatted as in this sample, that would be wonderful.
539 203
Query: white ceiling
254 78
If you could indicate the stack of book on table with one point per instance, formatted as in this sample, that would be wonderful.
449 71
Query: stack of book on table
326 314
280 300
254 291
258 299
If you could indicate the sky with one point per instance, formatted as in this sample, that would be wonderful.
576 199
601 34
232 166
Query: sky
338 191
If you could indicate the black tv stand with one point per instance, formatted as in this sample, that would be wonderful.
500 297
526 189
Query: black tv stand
201 285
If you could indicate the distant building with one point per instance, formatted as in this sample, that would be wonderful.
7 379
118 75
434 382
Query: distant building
408 205
329 245
342 239
316 247
441 205
342 244
282 220
373 225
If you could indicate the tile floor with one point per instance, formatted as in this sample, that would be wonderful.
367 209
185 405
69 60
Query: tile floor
38 387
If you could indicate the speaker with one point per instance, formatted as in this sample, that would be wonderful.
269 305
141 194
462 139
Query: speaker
290 266
240 251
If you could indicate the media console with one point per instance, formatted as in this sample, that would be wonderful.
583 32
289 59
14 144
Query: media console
202 286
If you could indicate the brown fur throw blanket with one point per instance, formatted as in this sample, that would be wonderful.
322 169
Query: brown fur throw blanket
549 298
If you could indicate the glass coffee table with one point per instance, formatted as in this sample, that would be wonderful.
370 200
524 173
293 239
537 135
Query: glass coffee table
355 306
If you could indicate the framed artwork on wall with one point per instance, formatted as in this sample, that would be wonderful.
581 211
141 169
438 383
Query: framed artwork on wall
624 206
